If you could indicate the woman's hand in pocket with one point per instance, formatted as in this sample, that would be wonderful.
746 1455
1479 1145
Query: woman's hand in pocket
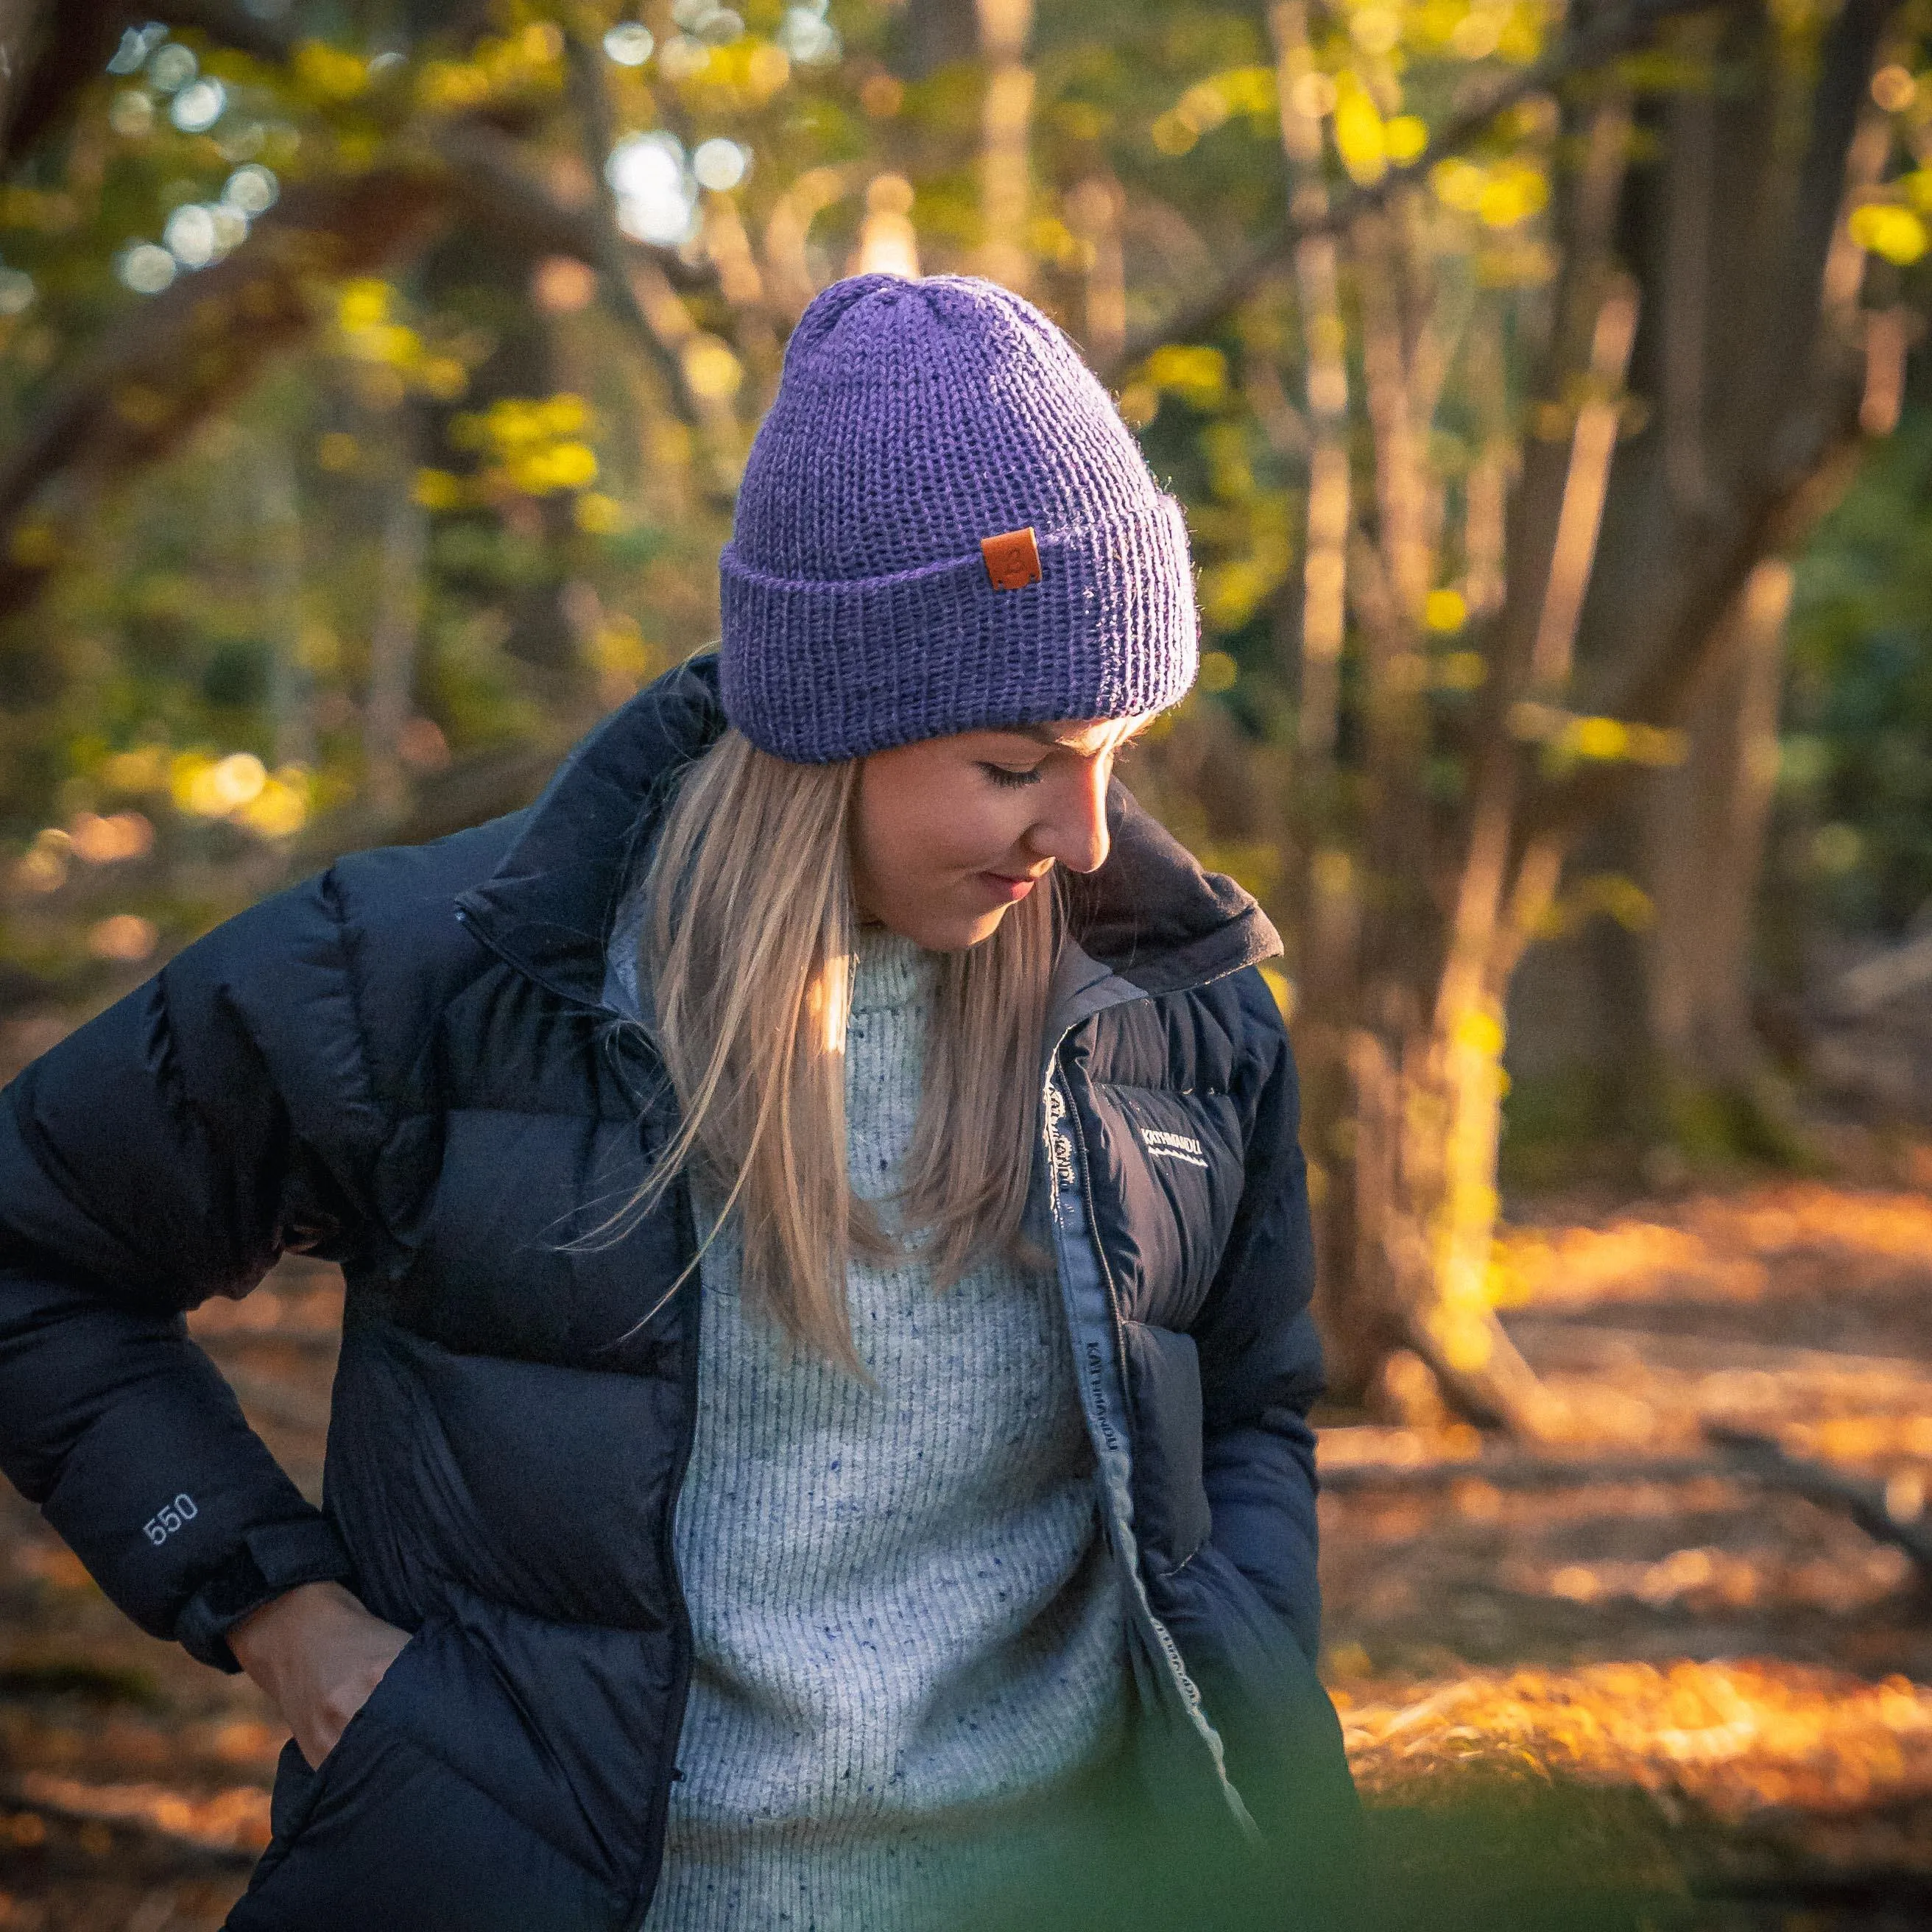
318 1654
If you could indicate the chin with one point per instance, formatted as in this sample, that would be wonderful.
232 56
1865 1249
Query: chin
980 931
951 932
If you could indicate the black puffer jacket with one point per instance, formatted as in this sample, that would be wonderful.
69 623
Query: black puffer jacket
405 1065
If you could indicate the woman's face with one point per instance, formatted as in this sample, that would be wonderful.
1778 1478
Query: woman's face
950 833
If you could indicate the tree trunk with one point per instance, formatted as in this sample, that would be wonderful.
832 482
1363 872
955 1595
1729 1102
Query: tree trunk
291 682
393 640
1007 127
1427 1105
48 54
1639 592
1704 826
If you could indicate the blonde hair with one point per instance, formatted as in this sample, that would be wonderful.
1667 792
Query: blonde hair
747 950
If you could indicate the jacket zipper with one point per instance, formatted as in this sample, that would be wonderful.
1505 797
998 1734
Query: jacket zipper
1061 1152
657 1823
646 1887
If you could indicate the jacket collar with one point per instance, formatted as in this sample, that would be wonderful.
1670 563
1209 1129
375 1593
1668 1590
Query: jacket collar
1151 914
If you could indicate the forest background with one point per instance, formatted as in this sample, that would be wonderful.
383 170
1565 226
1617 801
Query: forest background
1544 384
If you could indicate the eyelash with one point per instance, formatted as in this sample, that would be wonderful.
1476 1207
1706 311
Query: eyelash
1001 775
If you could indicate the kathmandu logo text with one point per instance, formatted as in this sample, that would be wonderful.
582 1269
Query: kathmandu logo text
1173 1147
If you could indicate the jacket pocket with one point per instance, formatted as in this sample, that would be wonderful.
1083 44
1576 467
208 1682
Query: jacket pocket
1171 1519
387 1834
299 1786
1261 1692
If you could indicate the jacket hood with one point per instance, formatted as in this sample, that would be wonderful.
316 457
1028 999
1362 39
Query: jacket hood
1152 913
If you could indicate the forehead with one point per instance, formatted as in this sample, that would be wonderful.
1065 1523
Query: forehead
1086 737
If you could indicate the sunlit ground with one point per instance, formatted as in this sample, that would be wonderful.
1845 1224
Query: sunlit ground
1628 1614
1735 1679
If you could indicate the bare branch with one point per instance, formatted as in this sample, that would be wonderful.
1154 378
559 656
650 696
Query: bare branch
596 123
489 182
232 25
488 178
1657 688
1763 1460
168 362
1518 1469
1813 398
1746 1455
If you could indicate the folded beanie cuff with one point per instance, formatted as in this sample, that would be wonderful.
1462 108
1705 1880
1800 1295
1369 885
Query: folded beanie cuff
817 670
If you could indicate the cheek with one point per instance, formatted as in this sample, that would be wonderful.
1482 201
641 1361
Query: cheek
916 836
921 848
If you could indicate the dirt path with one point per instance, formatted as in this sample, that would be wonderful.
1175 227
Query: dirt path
1745 1673
1753 1662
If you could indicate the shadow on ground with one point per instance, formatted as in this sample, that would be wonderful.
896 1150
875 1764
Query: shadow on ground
1639 1692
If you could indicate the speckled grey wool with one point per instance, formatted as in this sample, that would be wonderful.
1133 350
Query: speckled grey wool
907 1631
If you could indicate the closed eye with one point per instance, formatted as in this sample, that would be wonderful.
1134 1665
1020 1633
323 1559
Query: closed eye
1004 774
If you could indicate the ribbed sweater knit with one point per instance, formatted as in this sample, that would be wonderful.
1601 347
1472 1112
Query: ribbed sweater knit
908 1635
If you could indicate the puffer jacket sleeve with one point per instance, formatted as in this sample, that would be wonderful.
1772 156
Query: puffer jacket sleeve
170 1150
1261 1359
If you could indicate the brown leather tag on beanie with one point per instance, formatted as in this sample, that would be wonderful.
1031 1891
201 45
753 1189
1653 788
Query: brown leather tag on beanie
1012 558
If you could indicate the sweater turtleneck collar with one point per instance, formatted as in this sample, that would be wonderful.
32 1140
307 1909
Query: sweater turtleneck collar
890 972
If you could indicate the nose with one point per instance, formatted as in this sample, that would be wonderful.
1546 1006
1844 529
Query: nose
1073 832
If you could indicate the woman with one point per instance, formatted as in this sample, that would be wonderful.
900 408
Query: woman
790 1520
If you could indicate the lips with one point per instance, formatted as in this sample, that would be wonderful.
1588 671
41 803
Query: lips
1007 889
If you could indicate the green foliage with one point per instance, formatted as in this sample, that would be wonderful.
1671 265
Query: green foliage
1479 1853
1857 767
235 602
224 614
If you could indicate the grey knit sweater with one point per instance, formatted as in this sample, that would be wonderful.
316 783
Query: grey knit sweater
908 1634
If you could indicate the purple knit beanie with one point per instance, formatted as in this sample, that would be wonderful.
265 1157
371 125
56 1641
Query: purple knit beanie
944 526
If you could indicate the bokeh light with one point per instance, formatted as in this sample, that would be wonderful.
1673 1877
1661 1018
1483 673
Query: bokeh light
173 66
685 58
126 938
199 106
137 44
708 21
720 164
808 36
131 113
147 269
629 43
251 190
655 200
190 236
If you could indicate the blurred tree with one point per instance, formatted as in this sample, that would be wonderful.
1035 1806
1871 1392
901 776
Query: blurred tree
1692 387
1501 352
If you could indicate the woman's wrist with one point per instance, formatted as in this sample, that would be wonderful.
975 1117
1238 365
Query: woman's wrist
317 1655
263 1640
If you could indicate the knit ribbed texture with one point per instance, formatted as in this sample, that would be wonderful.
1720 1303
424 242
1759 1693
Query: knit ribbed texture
907 1631
913 419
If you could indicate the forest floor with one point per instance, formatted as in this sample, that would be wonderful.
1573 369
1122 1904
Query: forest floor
1728 1685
